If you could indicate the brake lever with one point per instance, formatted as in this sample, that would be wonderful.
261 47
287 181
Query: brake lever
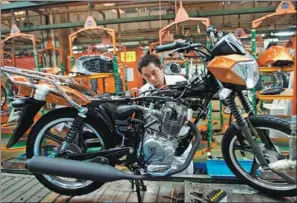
175 50
179 50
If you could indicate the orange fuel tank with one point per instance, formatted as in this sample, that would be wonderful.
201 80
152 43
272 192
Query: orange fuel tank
276 56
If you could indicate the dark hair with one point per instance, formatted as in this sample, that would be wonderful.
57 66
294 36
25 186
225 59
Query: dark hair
147 59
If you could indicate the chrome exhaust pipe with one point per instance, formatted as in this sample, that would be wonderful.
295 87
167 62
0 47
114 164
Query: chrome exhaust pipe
75 169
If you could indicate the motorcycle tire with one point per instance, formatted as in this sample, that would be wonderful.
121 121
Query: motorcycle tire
42 124
228 150
3 97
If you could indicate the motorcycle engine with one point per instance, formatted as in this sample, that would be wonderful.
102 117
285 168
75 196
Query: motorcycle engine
161 139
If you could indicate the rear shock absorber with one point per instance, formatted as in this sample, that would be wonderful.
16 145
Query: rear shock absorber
76 126
246 103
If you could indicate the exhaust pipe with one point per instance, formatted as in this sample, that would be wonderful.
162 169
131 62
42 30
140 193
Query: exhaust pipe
95 171
75 169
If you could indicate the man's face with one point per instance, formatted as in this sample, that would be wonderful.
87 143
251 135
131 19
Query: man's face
153 75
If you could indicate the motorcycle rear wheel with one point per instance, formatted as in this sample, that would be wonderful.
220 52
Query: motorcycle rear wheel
57 122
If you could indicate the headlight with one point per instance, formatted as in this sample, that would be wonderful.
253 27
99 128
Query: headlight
248 71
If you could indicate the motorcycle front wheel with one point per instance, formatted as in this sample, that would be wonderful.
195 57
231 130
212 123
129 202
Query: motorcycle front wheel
241 160
47 136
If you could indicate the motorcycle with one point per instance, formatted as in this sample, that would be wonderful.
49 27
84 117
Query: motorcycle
74 150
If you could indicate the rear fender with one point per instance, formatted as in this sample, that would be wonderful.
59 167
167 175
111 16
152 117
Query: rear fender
30 107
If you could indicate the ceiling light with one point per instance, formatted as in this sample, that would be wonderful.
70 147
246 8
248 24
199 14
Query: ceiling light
110 4
282 34
111 49
19 13
115 11
102 46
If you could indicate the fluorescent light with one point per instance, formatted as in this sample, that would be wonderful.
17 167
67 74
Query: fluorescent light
262 35
130 43
282 34
110 4
19 13
111 49
115 11
101 46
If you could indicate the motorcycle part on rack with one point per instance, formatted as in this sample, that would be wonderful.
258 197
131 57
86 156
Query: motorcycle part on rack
272 91
98 172
30 107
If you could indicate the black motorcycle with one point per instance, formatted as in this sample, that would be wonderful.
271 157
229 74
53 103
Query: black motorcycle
75 150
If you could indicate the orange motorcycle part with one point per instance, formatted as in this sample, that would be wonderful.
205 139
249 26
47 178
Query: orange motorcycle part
275 56
53 98
221 68
75 95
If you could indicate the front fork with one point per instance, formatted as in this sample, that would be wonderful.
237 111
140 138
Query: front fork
250 111
249 135
244 125
245 128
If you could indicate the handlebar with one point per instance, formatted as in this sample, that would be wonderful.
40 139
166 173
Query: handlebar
211 31
174 45
178 45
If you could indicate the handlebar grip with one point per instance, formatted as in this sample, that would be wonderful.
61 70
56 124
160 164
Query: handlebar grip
174 45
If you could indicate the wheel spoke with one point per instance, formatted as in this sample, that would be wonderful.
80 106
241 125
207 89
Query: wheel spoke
265 139
237 147
286 177
255 167
54 137
245 148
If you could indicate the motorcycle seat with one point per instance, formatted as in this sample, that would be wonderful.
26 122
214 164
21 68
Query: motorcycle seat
272 91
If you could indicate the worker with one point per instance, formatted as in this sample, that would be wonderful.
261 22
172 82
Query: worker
152 71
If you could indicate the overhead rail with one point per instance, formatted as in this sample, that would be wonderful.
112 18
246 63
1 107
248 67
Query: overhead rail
170 16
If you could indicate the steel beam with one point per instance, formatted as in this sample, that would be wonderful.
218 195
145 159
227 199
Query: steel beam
28 5
98 5
169 16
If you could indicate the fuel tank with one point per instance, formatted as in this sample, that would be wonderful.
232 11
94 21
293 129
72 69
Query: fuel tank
276 56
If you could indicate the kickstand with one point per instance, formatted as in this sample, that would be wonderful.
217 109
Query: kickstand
138 191
138 184
142 185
